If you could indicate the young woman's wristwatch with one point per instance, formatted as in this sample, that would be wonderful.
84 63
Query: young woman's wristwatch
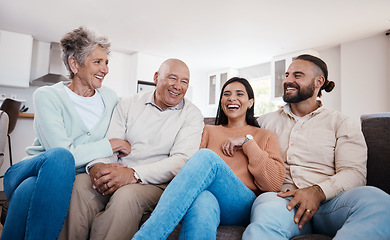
247 138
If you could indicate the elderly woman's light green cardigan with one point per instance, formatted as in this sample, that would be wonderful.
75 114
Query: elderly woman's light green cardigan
58 124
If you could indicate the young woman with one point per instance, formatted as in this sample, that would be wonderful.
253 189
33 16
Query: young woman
70 123
218 185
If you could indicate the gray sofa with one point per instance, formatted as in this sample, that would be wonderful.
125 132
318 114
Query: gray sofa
376 130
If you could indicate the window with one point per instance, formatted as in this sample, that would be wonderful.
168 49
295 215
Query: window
212 83
262 88
260 78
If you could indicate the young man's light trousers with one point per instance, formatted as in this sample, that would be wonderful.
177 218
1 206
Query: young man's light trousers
359 213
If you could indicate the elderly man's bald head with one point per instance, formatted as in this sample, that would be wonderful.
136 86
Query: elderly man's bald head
172 79
172 62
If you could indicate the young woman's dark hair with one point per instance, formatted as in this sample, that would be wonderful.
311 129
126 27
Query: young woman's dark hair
221 118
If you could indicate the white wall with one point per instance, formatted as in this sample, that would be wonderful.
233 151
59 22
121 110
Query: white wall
120 74
127 69
360 70
147 65
332 100
197 92
365 76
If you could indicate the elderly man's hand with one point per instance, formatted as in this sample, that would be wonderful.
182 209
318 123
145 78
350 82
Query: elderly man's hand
308 199
111 177
99 167
123 147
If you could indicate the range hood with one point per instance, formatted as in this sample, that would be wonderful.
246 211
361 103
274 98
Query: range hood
56 69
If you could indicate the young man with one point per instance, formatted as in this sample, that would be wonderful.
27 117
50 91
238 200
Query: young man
164 130
325 156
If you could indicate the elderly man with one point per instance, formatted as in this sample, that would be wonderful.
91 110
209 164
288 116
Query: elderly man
325 156
164 129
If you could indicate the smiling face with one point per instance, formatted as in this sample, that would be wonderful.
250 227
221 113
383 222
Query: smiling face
172 81
301 82
91 74
235 101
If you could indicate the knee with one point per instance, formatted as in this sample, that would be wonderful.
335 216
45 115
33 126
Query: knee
24 191
205 156
127 197
60 153
267 205
82 184
204 203
205 208
267 197
370 196
60 158
204 152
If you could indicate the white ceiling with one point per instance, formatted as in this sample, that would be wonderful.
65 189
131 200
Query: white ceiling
207 34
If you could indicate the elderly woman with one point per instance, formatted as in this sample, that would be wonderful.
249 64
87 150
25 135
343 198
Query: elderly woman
70 123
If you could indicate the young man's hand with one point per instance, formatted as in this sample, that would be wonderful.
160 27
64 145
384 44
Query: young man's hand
308 199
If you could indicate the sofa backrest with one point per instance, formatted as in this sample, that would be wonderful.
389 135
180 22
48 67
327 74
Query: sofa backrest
376 131
209 121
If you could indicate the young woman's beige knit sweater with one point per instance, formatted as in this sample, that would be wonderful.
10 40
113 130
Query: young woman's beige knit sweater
258 164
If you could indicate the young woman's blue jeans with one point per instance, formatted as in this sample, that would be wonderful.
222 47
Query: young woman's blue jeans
39 191
359 213
205 192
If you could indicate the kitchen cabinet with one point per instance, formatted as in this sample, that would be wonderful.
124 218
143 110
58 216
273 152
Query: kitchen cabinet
15 59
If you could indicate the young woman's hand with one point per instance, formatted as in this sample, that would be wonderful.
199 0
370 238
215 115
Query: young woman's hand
231 145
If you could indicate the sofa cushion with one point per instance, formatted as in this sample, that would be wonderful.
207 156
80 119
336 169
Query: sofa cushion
311 237
224 233
376 130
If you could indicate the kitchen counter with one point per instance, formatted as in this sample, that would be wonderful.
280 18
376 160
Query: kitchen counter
26 115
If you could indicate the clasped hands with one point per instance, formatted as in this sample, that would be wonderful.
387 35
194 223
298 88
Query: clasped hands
107 178
308 199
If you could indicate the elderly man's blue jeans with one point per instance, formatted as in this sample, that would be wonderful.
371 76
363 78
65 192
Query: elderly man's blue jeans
359 213
39 191
204 193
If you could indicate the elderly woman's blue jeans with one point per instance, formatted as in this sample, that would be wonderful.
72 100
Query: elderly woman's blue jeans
206 192
39 191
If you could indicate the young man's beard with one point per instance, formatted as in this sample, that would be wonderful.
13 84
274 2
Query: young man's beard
301 95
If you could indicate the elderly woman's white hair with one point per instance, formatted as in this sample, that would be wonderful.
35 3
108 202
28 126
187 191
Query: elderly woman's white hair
79 43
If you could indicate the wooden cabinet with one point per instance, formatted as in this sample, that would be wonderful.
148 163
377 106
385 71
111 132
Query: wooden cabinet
15 59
